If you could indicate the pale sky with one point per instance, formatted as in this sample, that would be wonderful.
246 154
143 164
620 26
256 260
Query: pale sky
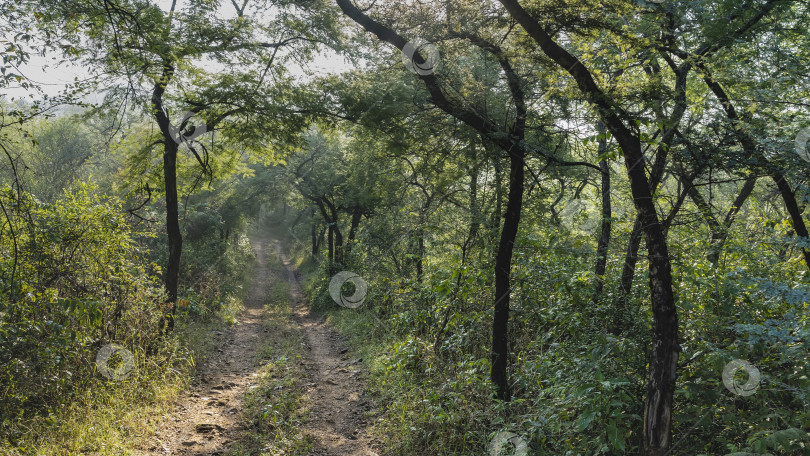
53 77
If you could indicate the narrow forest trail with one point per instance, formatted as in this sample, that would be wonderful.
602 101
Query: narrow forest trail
336 394
207 419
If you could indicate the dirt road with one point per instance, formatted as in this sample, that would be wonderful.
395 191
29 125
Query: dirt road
208 419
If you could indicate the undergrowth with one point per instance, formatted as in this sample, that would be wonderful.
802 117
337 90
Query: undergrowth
84 280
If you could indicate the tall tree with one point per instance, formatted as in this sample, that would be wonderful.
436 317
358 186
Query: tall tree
508 135
155 57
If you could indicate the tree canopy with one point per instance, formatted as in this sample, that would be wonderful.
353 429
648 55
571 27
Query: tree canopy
574 219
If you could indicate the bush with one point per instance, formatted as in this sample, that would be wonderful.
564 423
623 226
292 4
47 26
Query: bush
71 281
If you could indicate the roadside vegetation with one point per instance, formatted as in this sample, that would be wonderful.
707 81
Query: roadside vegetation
580 228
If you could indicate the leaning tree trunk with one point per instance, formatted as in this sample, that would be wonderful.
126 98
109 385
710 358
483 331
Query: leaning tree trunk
357 215
749 146
792 206
330 244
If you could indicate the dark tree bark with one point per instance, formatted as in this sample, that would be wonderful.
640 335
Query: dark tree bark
749 146
630 258
420 252
503 268
321 238
175 237
172 227
330 242
338 243
510 140
604 236
792 206
663 360
335 235
656 176
511 223
357 215
313 234
424 207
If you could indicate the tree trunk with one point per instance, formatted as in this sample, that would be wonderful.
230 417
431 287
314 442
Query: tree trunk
497 214
357 215
503 269
330 242
664 357
175 237
629 266
663 361
749 146
313 234
604 237
792 206
172 227
338 242
335 235
420 252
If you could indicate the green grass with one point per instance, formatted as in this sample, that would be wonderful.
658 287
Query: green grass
105 417
424 404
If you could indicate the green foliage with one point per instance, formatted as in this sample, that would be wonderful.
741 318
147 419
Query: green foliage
72 282
412 198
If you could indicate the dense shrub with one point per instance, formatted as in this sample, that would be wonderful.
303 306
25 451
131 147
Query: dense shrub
578 387
72 280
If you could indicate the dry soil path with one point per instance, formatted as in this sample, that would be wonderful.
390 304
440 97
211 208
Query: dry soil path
336 396
206 421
